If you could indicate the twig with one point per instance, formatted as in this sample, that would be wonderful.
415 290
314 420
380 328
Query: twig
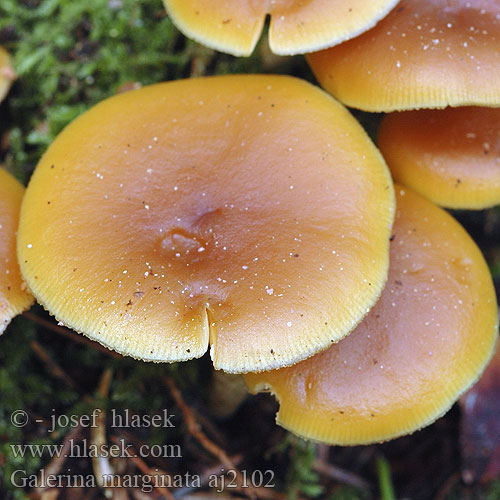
143 467
120 494
50 495
102 467
65 332
194 429
322 451
211 429
56 464
52 366
140 495
340 475
205 477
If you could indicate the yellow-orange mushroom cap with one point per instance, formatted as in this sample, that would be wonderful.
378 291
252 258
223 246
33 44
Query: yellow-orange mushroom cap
251 213
14 297
424 343
7 74
297 26
424 54
449 156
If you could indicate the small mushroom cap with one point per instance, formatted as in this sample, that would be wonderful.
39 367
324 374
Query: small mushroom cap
424 54
7 74
449 156
424 343
251 213
297 26
14 297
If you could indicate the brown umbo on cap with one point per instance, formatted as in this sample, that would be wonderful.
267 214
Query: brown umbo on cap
424 54
234 26
424 343
7 73
449 156
249 213
14 297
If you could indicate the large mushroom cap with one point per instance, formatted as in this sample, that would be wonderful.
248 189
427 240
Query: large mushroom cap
249 212
449 156
297 26
7 74
423 344
424 54
14 298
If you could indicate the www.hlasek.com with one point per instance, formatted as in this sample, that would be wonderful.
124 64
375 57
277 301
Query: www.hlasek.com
224 480
82 448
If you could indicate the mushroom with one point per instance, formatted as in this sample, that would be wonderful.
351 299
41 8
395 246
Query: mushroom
251 213
7 74
449 156
424 343
296 27
14 298
425 53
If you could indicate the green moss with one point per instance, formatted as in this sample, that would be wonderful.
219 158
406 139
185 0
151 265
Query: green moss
69 55
301 479
21 387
